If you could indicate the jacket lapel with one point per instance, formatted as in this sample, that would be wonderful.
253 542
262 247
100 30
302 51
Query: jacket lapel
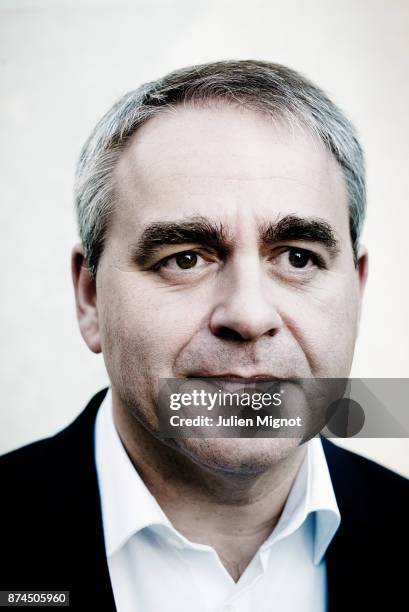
89 574
353 558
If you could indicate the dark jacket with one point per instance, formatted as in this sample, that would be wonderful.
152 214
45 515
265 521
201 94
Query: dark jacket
51 535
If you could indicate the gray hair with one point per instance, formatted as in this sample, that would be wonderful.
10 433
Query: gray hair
265 87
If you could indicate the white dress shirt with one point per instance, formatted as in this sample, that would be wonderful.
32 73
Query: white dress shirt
153 567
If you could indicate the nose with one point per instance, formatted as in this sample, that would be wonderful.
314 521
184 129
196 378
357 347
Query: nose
245 309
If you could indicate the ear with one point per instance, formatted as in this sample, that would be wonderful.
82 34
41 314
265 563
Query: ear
85 299
362 274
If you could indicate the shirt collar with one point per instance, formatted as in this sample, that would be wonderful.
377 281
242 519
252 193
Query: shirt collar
128 506
312 493
321 499
126 503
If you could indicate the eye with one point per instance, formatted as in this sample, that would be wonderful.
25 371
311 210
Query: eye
299 258
294 258
186 260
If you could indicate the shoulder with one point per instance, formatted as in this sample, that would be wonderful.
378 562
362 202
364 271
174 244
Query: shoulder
33 470
21 459
339 457
363 558
50 510
364 488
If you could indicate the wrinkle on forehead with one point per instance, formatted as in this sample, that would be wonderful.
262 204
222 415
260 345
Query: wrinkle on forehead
212 157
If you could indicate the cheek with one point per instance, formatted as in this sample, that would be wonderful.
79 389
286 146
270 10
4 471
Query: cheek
144 328
324 325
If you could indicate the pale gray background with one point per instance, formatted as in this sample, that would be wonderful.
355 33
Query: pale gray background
64 63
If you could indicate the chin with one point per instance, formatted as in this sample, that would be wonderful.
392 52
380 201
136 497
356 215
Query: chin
241 456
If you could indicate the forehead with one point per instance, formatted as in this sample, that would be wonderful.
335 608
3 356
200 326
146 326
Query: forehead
231 164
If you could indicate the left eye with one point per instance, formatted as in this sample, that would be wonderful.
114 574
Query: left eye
186 260
299 258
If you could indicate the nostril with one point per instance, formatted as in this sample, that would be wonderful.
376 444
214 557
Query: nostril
226 333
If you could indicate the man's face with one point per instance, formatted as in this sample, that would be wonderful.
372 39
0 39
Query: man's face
250 271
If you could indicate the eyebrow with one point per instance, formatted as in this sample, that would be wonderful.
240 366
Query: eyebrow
213 235
195 230
293 227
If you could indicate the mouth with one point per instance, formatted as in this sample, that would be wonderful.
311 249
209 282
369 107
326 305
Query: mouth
235 377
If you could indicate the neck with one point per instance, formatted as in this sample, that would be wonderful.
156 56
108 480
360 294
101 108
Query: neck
199 501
